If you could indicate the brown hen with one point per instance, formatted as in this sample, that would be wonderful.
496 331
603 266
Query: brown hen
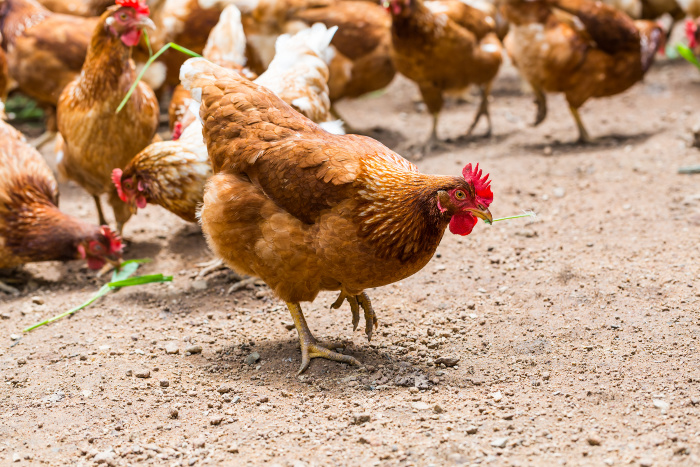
32 229
307 211
445 46
97 139
45 50
581 48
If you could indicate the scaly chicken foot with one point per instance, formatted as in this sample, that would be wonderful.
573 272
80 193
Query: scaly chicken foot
483 110
354 307
310 347
371 321
357 301
583 137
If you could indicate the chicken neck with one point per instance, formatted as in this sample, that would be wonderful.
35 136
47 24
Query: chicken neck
107 73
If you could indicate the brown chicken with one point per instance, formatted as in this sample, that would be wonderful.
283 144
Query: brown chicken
45 50
32 228
445 46
97 138
581 48
307 211
362 62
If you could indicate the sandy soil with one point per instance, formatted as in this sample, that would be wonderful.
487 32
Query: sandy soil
574 336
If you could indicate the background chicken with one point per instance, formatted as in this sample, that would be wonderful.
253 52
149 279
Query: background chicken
172 174
96 138
597 52
32 228
78 7
362 62
226 46
307 211
445 46
45 50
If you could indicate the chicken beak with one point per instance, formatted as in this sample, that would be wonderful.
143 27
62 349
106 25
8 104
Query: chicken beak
482 213
144 22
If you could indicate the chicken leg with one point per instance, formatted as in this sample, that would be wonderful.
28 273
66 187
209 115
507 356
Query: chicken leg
483 110
583 137
541 101
310 347
357 301
100 213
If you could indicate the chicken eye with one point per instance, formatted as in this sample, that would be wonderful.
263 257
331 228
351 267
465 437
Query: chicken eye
123 16
459 194
98 248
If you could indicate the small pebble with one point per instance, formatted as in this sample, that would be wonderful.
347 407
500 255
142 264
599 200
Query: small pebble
252 358
37 300
21 361
594 440
129 372
496 396
143 373
471 430
438 409
171 348
499 442
193 349
360 418
420 406
233 449
174 413
216 420
164 383
661 404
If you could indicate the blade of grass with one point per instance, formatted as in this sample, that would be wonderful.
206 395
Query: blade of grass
150 61
148 43
527 214
120 278
688 54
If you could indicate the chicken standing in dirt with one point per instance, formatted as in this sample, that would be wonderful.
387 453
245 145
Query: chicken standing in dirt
445 46
97 139
32 229
306 210
579 47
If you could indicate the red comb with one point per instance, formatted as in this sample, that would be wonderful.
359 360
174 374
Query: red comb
482 186
140 8
117 180
115 243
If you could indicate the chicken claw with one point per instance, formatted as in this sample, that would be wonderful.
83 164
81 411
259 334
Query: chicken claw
357 301
371 321
310 347
354 307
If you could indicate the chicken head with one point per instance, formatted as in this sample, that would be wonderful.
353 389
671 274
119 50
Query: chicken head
129 19
467 203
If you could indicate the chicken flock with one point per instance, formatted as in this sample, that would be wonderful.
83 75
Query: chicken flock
259 155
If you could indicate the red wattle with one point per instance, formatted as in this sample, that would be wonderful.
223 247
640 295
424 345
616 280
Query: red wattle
95 263
131 38
462 224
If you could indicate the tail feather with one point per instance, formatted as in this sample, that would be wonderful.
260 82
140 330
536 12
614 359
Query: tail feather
316 38
227 43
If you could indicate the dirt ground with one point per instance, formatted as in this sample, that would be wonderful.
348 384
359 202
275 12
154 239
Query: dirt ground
575 335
